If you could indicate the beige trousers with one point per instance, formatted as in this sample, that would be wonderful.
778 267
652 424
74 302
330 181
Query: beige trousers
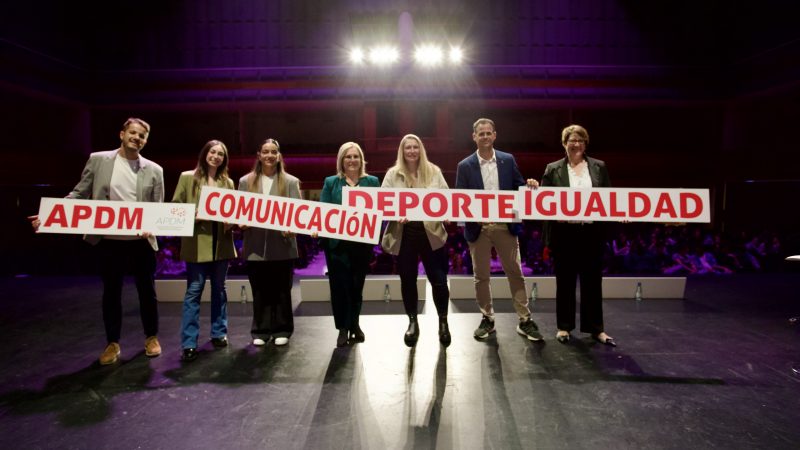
497 235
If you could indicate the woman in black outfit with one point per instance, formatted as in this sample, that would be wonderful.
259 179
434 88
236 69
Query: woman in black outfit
577 246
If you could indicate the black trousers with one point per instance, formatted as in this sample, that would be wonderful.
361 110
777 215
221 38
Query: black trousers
271 282
413 248
577 251
348 264
116 259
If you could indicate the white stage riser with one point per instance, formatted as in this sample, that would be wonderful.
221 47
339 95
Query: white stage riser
613 287
174 290
461 287
375 289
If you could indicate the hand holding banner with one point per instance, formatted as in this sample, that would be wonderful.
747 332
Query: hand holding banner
104 217
289 214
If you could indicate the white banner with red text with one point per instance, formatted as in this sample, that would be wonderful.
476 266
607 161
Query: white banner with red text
289 214
468 205
544 203
615 204
105 217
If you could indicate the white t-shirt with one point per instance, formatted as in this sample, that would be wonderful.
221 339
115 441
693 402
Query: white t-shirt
266 183
123 179
123 185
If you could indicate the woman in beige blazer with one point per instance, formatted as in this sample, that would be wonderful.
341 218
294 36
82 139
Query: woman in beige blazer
270 254
207 253
412 241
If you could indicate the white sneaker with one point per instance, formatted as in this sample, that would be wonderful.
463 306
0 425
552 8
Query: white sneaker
281 340
259 342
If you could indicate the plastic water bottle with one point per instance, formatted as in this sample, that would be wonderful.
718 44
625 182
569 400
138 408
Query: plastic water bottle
638 295
534 292
386 294
243 295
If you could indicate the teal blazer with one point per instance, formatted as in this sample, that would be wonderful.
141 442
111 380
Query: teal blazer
332 193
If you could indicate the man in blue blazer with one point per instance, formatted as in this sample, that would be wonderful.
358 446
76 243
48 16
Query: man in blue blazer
491 169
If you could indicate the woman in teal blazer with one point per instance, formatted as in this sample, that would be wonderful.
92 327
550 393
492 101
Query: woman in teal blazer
207 253
348 262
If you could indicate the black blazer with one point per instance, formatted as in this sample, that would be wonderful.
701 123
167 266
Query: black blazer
556 174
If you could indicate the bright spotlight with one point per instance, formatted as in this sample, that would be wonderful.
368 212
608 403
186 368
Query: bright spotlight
428 55
383 55
456 55
356 56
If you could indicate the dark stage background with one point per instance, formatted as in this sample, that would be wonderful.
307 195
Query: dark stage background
673 93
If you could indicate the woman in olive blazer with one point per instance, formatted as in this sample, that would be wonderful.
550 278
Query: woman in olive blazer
207 252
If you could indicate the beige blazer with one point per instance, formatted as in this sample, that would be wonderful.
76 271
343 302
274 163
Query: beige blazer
261 244
197 248
95 184
437 235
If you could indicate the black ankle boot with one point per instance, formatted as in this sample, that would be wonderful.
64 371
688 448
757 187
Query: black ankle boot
341 341
444 331
412 333
356 335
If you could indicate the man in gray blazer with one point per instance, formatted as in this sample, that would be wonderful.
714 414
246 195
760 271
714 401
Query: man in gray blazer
124 175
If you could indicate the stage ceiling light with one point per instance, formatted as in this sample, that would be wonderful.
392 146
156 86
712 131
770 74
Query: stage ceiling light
428 55
356 56
383 55
456 55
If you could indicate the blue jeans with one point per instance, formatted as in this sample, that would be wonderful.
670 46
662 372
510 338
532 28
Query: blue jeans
196 275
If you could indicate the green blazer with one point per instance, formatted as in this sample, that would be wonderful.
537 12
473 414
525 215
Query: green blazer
332 193
197 248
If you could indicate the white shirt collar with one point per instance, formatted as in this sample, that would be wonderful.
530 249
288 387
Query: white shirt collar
493 159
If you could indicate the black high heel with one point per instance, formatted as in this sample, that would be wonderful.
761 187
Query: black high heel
412 333
444 331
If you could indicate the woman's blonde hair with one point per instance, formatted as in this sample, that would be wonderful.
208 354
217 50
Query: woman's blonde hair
254 177
426 169
340 159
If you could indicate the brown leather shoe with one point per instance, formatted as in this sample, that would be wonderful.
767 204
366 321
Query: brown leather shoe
110 355
151 346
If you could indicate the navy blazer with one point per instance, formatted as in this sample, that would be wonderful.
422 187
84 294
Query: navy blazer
468 176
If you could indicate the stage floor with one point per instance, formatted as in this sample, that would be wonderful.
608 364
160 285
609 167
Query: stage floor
711 371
